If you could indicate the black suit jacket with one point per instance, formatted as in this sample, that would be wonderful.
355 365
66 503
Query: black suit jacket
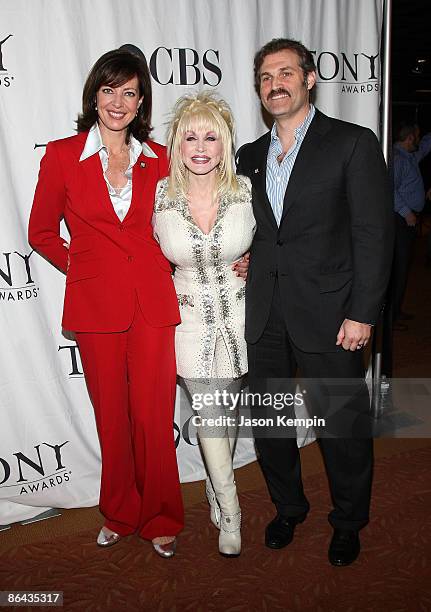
332 252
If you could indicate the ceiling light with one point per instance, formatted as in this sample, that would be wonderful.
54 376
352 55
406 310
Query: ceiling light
419 66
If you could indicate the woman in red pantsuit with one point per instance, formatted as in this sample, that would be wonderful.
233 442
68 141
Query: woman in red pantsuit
120 300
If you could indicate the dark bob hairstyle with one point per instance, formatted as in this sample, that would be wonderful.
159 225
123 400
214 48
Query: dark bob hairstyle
114 69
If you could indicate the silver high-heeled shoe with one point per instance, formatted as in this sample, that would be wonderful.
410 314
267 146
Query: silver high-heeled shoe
166 550
212 500
107 537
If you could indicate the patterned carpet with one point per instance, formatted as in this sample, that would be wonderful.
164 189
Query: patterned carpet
392 573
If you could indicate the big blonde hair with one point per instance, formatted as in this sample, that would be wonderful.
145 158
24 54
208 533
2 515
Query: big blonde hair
202 111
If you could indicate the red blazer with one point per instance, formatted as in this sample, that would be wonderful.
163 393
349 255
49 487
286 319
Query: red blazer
110 262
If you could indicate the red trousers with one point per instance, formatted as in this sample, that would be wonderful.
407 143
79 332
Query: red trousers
131 378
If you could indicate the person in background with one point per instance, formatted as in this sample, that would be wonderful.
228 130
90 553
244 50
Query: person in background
204 222
428 248
409 201
120 300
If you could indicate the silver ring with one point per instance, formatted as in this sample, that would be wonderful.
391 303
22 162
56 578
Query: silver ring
359 346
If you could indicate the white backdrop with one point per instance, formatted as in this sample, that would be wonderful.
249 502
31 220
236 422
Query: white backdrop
49 455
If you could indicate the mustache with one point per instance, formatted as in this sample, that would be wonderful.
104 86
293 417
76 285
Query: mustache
276 92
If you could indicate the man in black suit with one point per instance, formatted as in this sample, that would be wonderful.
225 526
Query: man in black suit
319 266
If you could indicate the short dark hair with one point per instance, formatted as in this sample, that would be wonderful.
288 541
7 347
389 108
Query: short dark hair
306 60
115 68
404 129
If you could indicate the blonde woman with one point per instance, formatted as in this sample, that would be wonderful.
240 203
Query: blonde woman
204 222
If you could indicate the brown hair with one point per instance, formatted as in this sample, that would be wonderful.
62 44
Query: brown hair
114 69
305 57
404 129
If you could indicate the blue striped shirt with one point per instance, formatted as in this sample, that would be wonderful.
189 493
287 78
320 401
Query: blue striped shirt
409 192
278 175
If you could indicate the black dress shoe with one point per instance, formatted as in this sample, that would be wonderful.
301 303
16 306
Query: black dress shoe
344 547
279 532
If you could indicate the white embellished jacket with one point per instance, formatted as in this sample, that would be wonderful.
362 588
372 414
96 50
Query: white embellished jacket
210 295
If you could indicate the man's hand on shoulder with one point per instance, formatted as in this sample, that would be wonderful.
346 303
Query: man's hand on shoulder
353 335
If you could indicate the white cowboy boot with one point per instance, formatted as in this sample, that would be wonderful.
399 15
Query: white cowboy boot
229 540
209 490
218 458
213 503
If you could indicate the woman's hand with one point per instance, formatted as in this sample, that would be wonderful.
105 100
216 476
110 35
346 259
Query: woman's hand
66 244
241 266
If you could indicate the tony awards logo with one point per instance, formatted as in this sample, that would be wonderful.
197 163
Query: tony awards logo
40 469
70 353
16 280
355 72
5 77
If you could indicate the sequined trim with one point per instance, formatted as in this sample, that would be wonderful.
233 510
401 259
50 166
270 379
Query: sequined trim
225 306
186 300
207 348
162 201
231 522
240 294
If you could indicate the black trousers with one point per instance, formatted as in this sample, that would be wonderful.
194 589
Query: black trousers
348 460
403 249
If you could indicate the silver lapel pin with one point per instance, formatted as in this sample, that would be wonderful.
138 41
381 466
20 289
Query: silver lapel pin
256 170
142 164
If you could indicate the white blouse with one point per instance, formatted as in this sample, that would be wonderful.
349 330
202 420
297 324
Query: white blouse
120 198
